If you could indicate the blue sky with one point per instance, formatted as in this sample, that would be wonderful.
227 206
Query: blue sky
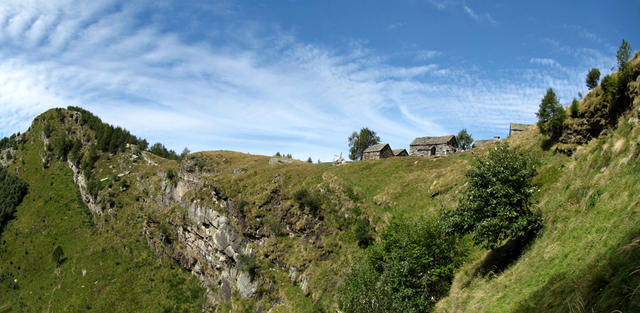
299 76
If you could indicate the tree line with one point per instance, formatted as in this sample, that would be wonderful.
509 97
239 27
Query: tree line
12 191
114 139
616 100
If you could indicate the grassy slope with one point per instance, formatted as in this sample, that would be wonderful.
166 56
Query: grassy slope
587 256
122 275
375 190
584 257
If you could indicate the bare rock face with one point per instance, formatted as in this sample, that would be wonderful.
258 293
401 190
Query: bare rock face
81 182
277 161
246 286
209 246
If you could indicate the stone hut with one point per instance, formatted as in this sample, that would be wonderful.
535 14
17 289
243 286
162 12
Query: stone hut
515 128
434 146
377 152
480 143
400 152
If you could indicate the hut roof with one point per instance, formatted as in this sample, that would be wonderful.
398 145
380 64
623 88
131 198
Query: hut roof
432 140
376 148
480 143
516 126
398 151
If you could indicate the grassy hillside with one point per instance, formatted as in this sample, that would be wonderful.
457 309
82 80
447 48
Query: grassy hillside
306 225
587 257
105 267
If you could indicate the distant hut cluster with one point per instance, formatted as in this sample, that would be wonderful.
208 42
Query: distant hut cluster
433 146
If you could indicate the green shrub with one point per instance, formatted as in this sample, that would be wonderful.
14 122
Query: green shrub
407 271
171 175
90 161
47 129
362 232
305 199
273 225
495 205
573 108
94 187
551 115
61 145
12 191
592 78
242 204
160 150
249 264
58 255
351 194
167 233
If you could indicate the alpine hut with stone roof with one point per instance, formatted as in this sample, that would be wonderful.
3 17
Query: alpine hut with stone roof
377 152
434 146
515 128
400 152
480 143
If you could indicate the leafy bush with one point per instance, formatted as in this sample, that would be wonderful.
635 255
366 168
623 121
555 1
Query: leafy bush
307 200
362 232
408 271
90 161
75 155
167 233
360 141
12 191
573 108
623 54
592 78
273 225
171 175
61 146
464 139
47 129
160 150
551 115
248 263
58 255
351 194
495 205
93 187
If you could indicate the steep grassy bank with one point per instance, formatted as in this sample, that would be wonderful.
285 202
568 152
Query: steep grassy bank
103 269
587 257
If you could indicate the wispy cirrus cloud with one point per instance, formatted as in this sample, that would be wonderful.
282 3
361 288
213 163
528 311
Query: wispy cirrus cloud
424 55
544 61
480 18
241 87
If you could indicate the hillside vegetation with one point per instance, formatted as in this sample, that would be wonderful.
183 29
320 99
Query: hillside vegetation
107 226
587 256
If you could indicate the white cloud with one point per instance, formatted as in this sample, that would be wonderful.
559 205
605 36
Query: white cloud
395 26
439 4
249 92
427 54
478 17
544 61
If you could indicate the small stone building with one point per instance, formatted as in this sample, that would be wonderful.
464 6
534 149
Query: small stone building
515 128
377 152
480 143
434 146
400 152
